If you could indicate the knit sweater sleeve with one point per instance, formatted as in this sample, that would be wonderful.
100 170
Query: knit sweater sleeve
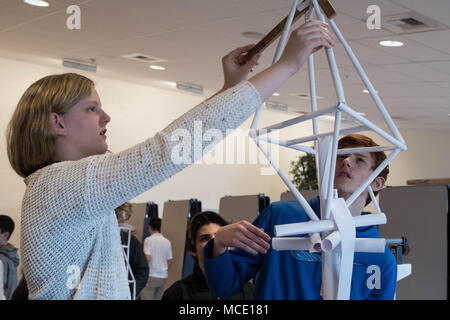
104 182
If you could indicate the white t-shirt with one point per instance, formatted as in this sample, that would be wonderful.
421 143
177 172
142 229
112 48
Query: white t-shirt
160 250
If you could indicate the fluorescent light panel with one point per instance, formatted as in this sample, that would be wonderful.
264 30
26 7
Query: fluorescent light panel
79 65
37 3
155 67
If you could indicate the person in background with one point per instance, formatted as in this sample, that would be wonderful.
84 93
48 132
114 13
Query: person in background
202 228
158 251
9 259
137 260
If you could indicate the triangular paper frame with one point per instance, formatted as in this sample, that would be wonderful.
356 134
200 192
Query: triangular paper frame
332 233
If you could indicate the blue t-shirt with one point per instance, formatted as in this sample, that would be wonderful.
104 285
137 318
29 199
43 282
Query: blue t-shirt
284 275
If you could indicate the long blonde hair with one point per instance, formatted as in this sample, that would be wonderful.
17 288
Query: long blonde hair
29 136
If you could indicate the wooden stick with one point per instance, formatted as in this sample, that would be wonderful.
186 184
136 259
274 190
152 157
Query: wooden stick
325 5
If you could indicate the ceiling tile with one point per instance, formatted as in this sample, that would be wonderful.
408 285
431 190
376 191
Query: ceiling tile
418 71
411 50
411 90
358 9
438 40
367 55
441 66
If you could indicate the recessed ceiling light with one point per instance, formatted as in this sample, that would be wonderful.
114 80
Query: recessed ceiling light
367 91
276 94
155 67
37 3
390 43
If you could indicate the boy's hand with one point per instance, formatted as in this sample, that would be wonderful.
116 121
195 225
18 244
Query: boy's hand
241 235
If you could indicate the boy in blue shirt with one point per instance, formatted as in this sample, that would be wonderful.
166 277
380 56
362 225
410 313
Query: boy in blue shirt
298 274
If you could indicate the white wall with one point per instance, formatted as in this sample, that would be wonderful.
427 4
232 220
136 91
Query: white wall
139 111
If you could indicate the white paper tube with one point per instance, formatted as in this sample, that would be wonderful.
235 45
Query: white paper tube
303 5
331 61
335 73
296 120
256 118
367 82
325 145
331 241
312 89
284 144
285 33
312 83
370 245
346 226
302 148
372 176
310 13
305 205
291 243
316 242
337 124
370 220
297 243
366 149
318 136
290 229
372 126
374 199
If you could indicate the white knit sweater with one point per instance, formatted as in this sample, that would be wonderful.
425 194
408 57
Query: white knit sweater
70 242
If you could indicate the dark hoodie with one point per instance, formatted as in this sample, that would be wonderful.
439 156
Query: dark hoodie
10 260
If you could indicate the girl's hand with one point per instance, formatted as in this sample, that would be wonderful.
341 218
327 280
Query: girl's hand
236 67
305 40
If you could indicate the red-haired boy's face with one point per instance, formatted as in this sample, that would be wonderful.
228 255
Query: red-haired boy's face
351 171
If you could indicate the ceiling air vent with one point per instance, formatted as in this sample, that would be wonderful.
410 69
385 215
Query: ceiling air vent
142 58
276 106
82 65
410 22
305 96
